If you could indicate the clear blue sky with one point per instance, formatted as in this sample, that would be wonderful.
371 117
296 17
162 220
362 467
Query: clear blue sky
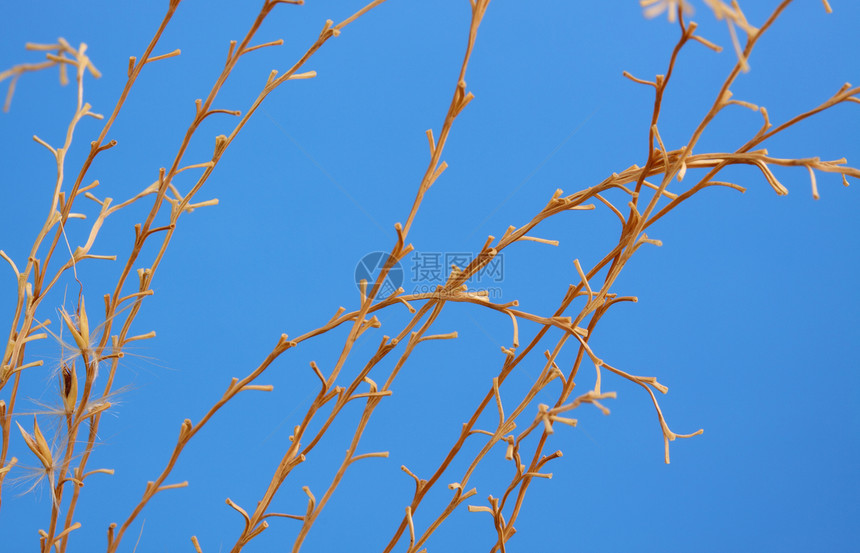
748 313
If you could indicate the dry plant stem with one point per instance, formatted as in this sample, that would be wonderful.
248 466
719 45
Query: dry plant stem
62 48
521 481
548 323
142 234
19 70
719 103
296 454
686 32
618 258
188 431
111 313
844 94
619 261
460 100
505 426
467 430
29 297
59 154
222 143
27 300
372 402
358 318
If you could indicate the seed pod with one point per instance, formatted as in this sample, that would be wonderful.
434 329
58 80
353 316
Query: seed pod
69 387
83 322
80 339
38 445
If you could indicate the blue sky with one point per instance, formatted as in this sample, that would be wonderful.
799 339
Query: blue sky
748 312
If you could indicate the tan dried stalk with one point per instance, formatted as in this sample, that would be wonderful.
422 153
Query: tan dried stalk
104 346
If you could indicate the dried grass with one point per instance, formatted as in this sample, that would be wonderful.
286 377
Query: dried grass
101 337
